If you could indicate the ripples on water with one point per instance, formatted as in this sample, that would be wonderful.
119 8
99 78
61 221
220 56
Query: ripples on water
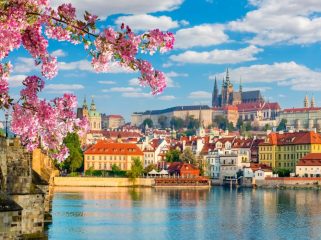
218 213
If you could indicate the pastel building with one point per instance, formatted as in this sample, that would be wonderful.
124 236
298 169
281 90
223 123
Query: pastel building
284 150
104 154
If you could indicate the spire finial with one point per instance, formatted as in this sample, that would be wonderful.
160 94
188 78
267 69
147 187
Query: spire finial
240 84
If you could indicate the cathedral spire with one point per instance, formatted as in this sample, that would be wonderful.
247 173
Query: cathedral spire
227 77
306 101
85 103
215 94
312 102
92 105
240 87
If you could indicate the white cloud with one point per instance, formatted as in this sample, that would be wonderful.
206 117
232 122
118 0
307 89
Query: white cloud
25 65
104 8
136 95
134 82
85 65
200 95
286 21
175 74
122 89
145 22
107 82
218 56
184 22
59 88
59 53
262 89
202 35
297 77
16 80
167 65
167 98
169 81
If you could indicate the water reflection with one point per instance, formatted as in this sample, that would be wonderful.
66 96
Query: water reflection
218 213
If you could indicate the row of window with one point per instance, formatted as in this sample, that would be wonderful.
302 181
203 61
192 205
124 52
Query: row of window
311 169
292 156
106 166
106 158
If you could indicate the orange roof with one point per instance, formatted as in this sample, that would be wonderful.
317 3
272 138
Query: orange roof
114 116
311 159
254 106
109 148
293 138
289 110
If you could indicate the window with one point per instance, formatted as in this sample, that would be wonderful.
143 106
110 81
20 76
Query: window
93 158
88 157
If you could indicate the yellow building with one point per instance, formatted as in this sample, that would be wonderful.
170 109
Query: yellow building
104 154
283 150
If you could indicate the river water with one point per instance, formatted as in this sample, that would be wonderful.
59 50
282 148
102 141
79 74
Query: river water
217 213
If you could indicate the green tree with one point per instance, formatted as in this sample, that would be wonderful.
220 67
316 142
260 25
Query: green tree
282 125
239 123
230 127
149 168
282 172
115 169
248 126
75 159
172 155
162 120
267 127
191 122
177 122
149 123
221 122
188 156
190 132
136 170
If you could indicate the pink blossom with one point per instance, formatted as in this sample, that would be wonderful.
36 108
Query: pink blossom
49 68
67 11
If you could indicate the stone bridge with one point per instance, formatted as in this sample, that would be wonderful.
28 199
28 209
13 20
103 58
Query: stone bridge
24 192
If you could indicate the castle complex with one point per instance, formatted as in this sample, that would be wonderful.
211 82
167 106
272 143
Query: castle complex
229 97
247 105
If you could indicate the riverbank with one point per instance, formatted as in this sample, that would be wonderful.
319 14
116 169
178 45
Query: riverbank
102 182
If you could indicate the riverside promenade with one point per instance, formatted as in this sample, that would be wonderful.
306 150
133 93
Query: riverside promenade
102 182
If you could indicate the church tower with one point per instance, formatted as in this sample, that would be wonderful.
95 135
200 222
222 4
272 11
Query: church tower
215 102
227 90
306 101
85 108
312 102
94 117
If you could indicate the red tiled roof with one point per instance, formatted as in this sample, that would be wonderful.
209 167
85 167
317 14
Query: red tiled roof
289 110
176 166
114 116
254 106
293 138
257 166
109 148
242 143
311 159
116 134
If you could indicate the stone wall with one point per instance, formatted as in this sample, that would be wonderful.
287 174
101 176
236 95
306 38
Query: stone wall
288 181
33 212
102 182
18 184
10 218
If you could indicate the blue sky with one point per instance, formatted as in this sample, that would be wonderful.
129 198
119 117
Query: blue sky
271 45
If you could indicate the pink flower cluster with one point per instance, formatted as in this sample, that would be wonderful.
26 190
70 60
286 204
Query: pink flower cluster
44 124
158 40
153 78
4 87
